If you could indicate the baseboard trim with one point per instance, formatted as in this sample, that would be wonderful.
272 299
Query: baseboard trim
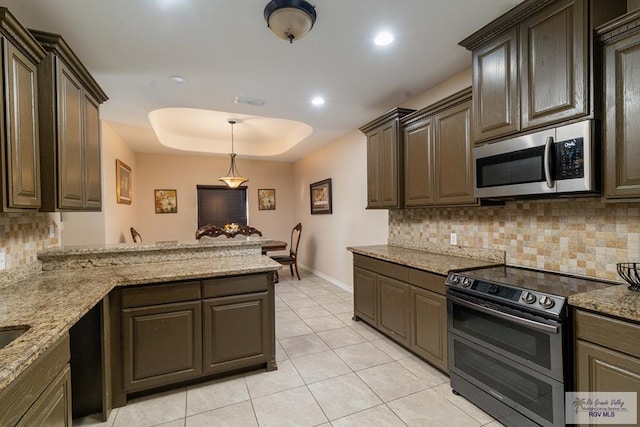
330 279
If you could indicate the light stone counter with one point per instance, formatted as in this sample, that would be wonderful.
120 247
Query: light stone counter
53 301
617 301
429 261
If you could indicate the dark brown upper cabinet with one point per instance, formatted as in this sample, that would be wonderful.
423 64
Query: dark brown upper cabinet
384 160
534 66
438 154
69 129
20 181
621 129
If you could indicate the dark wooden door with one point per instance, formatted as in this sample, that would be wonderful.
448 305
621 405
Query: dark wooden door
70 139
91 137
496 94
429 326
365 295
373 169
554 64
21 119
389 166
453 156
53 407
236 331
622 127
162 344
394 314
419 164
602 370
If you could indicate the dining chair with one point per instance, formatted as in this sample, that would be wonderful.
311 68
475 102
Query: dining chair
292 259
137 238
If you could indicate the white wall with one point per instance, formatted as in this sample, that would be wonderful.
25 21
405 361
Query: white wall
325 237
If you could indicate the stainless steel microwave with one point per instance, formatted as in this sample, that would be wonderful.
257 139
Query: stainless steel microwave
559 161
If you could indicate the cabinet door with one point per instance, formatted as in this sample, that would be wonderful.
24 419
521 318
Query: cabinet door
394 314
236 332
601 369
162 344
429 326
453 155
418 164
91 135
622 109
373 169
554 64
53 407
21 118
496 97
365 295
389 166
70 139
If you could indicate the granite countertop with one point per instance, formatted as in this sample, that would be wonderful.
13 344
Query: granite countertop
53 301
424 260
616 300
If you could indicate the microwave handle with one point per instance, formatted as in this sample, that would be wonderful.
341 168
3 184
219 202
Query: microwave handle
547 162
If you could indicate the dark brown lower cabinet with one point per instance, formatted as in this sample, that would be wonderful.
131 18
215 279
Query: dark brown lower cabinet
393 297
406 304
235 331
607 354
40 396
162 344
429 330
169 333
365 295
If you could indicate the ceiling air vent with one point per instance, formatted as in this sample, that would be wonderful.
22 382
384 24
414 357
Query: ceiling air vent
248 100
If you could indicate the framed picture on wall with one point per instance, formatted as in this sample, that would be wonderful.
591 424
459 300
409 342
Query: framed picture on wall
267 199
166 201
124 185
320 196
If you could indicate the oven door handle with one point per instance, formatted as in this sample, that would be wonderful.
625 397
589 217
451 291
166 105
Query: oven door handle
543 327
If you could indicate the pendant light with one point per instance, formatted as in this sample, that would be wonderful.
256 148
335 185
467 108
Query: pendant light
233 178
290 19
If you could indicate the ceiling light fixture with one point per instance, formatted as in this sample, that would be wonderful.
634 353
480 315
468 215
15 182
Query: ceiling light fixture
383 39
177 79
290 19
318 100
233 178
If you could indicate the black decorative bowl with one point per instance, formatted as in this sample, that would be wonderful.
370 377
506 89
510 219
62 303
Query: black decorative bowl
629 272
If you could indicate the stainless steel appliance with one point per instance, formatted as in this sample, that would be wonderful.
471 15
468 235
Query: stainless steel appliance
558 161
509 337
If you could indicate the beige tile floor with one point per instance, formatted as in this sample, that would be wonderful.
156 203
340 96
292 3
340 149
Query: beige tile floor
332 371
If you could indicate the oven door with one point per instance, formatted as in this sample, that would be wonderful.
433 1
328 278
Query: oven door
524 338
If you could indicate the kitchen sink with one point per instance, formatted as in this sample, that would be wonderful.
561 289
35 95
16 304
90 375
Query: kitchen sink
9 334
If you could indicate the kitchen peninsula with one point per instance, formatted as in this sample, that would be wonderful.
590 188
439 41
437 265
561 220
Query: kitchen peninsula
198 289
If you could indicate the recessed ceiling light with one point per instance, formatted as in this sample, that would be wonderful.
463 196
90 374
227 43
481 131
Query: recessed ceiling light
318 100
384 38
177 79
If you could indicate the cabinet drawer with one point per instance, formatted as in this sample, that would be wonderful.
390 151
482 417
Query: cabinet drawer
429 281
382 267
235 285
613 333
141 296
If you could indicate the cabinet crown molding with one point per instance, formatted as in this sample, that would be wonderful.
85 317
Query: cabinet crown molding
55 44
20 35
448 102
396 113
504 22
620 27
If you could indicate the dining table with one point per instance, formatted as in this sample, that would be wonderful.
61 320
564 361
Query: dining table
274 245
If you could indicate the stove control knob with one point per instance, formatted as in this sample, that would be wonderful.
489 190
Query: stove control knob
493 289
455 279
547 302
529 298
466 282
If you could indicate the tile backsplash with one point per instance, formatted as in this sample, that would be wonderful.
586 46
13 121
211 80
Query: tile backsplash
22 235
578 236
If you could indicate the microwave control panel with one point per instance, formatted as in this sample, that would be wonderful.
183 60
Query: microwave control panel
569 159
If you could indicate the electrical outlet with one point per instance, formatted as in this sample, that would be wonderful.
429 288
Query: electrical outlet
454 239
52 231
2 261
